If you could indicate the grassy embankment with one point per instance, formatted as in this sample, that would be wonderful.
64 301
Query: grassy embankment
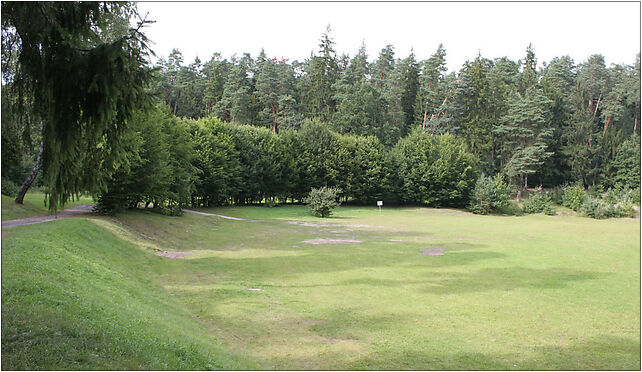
533 292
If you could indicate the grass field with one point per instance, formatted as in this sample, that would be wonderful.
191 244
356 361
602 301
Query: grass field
532 292
33 205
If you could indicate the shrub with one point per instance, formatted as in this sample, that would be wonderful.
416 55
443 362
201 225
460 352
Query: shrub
9 188
511 209
489 194
322 201
635 196
539 202
597 208
573 196
171 208
616 202
557 194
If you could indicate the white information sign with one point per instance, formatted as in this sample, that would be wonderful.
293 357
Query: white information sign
380 203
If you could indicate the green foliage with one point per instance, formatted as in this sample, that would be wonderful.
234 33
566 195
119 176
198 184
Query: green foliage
597 208
159 166
538 202
323 200
573 197
626 165
437 171
613 203
490 194
86 81
557 194
9 188
217 162
512 208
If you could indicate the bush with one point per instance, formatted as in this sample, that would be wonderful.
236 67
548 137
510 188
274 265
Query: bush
9 188
171 208
539 202
557 195
511 209
322 201
635 196
573 197
598 208
489 194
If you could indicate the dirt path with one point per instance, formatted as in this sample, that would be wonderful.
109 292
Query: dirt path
77 210
217 215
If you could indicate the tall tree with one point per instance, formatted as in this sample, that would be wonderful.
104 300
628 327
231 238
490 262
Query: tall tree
475 113
322 71
235 103
83 117
432 91
525 128
410 75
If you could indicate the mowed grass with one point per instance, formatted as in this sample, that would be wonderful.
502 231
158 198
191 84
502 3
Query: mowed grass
33 205
75 296
533 292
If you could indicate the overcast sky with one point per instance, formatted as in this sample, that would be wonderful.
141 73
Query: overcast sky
293 30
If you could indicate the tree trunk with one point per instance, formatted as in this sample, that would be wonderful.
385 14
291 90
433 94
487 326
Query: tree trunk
176 103
597 106
274 129
635 124
27 184
423 126
521 185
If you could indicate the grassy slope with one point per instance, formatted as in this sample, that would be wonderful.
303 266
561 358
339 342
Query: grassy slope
74 296
534 292
33 206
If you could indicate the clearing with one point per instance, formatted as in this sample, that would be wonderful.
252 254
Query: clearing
415 288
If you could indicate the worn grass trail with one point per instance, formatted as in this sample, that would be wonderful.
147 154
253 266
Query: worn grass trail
33 206
533 292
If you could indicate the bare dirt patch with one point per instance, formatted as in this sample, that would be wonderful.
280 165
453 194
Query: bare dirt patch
331 241
432 252
171 254
311 224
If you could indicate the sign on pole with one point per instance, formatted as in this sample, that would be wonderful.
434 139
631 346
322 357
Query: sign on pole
379 204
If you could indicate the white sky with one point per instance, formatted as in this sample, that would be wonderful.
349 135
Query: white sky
293 30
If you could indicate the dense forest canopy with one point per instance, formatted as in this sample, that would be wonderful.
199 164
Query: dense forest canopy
560 123
253 128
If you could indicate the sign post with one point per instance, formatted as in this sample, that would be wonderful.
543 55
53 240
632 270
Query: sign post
380 204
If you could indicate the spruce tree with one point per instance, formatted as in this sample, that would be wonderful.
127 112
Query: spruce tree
85 84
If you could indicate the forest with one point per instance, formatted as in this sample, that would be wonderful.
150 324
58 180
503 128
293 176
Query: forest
247 129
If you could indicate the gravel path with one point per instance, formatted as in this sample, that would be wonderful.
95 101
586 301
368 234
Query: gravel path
217 215
77 210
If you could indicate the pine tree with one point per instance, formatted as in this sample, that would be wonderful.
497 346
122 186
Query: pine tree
322 72
526 133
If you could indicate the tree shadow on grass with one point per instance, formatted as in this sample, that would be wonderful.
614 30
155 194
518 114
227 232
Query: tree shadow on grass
320 259
603 352
506 279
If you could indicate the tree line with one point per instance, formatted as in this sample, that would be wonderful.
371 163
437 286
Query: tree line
560 123
173 163
248 130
